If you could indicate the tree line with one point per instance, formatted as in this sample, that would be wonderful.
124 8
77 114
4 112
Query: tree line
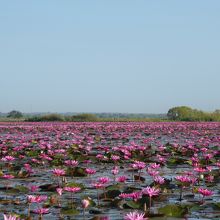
179 113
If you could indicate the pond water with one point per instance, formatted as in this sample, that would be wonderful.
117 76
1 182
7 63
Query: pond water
189 150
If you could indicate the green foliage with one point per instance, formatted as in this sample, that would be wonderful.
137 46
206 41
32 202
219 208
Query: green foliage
132 205
49 117
83 117
179 113
74 184
52 117
15 114
69 211
22 189
177 211
185 113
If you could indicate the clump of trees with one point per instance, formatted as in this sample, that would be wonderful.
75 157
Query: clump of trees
14 114
48 117
84 117
58 117
185 113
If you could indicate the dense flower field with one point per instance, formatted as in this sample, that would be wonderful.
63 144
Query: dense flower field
109 170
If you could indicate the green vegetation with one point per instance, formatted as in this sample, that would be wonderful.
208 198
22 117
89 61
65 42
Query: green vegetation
185 113
14 114
179 113
49 117
84 117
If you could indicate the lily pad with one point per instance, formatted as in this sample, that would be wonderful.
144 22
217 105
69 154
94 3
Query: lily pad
111 194
69 211
22 189
73 184
174 210
114 187
132 205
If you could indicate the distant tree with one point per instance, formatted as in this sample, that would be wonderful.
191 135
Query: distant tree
52 117
15 114
179 113
84 117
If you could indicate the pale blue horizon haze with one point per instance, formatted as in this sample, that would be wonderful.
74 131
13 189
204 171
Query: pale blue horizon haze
109 56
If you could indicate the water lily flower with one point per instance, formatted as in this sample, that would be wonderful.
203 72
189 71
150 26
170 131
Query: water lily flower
121 179
159 179
90 171
59 191
33 188
10 217
135 216
41 212
72 189
115 170
58 172
150 191
8 159
8 176
85 203
36 198
72 163
204 193
103 180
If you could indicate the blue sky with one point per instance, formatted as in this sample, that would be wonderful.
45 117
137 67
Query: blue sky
109 56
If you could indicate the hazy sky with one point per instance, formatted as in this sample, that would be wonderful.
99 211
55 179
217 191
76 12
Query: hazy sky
109 55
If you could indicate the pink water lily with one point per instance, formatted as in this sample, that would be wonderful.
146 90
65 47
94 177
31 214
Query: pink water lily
59 191
85 203
159 179
135 216
10 217
103 180
71 163
36 198
90 171
204 193
8 159
58 172
41 211
72 189
121 179
150 191
184 181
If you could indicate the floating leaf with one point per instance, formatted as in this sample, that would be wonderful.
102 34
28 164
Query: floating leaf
111 194
74 184
174 210
69 211
114 187
132 205
22 189
215 206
